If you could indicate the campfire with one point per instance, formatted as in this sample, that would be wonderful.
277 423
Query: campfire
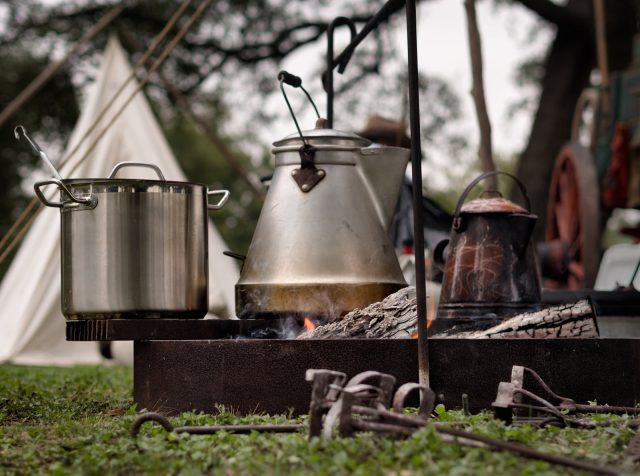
308 324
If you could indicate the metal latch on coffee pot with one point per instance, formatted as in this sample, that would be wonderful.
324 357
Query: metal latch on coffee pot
308 175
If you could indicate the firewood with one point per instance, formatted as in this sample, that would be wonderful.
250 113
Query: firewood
564 320
395 318
392 318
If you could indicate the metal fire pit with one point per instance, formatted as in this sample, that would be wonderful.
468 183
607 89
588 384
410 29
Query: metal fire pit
268 375
198 368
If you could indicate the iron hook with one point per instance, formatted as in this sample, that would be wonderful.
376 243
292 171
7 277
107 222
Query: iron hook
327 77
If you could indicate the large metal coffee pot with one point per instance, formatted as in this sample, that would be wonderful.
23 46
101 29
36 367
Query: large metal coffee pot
320 246
490 269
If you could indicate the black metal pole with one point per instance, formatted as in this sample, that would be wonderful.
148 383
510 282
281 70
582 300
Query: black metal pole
416 178
329 78
328 74
416 158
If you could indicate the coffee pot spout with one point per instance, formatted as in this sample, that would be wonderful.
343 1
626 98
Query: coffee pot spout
382 170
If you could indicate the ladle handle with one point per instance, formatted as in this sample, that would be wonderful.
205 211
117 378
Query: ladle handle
121 165
485 175
91 201
20 129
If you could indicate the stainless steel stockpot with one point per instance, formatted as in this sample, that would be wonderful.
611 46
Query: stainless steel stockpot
133 248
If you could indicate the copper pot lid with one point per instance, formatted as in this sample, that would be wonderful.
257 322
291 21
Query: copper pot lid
496 204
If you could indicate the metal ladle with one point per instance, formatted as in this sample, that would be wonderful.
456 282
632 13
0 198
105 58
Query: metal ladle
90 201
39 151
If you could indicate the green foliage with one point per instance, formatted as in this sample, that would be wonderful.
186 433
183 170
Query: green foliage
66 421
39 394
48 116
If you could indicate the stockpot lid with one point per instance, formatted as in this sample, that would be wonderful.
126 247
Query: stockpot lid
320 139
111 184
105 182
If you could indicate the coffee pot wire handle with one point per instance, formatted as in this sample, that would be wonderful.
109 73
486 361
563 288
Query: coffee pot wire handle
296 82
463 197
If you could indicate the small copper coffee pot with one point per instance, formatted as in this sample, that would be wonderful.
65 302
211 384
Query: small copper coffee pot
490 270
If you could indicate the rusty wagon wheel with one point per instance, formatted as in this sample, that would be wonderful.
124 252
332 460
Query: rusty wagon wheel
573 219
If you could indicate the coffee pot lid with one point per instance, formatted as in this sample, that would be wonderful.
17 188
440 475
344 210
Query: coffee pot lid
495 204
492 201
324 137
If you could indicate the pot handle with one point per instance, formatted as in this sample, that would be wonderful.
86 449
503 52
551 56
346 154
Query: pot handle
440 253
463 197
217 206
120 165
91 201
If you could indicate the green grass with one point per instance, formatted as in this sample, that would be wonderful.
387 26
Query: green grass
77 420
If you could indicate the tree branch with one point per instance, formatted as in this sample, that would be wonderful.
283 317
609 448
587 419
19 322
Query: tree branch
561 16
485 151
279 47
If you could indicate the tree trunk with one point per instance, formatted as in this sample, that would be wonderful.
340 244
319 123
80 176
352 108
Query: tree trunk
567 70
485 151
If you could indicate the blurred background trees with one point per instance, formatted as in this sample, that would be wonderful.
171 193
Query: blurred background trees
51 114
226 66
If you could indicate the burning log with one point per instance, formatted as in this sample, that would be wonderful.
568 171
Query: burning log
392 318
564 320
395 318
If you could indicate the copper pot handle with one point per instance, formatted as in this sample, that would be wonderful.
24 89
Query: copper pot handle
463 197
440 253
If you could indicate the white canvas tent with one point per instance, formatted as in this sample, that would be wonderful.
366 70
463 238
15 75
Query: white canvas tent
32 327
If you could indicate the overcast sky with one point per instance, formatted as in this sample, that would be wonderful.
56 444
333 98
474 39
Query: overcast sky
443 52
504 33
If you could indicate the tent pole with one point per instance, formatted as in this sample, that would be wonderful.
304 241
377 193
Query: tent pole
52 68
180 101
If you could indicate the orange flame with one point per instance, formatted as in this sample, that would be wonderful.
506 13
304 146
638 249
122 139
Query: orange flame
431 315
308 324
415 334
